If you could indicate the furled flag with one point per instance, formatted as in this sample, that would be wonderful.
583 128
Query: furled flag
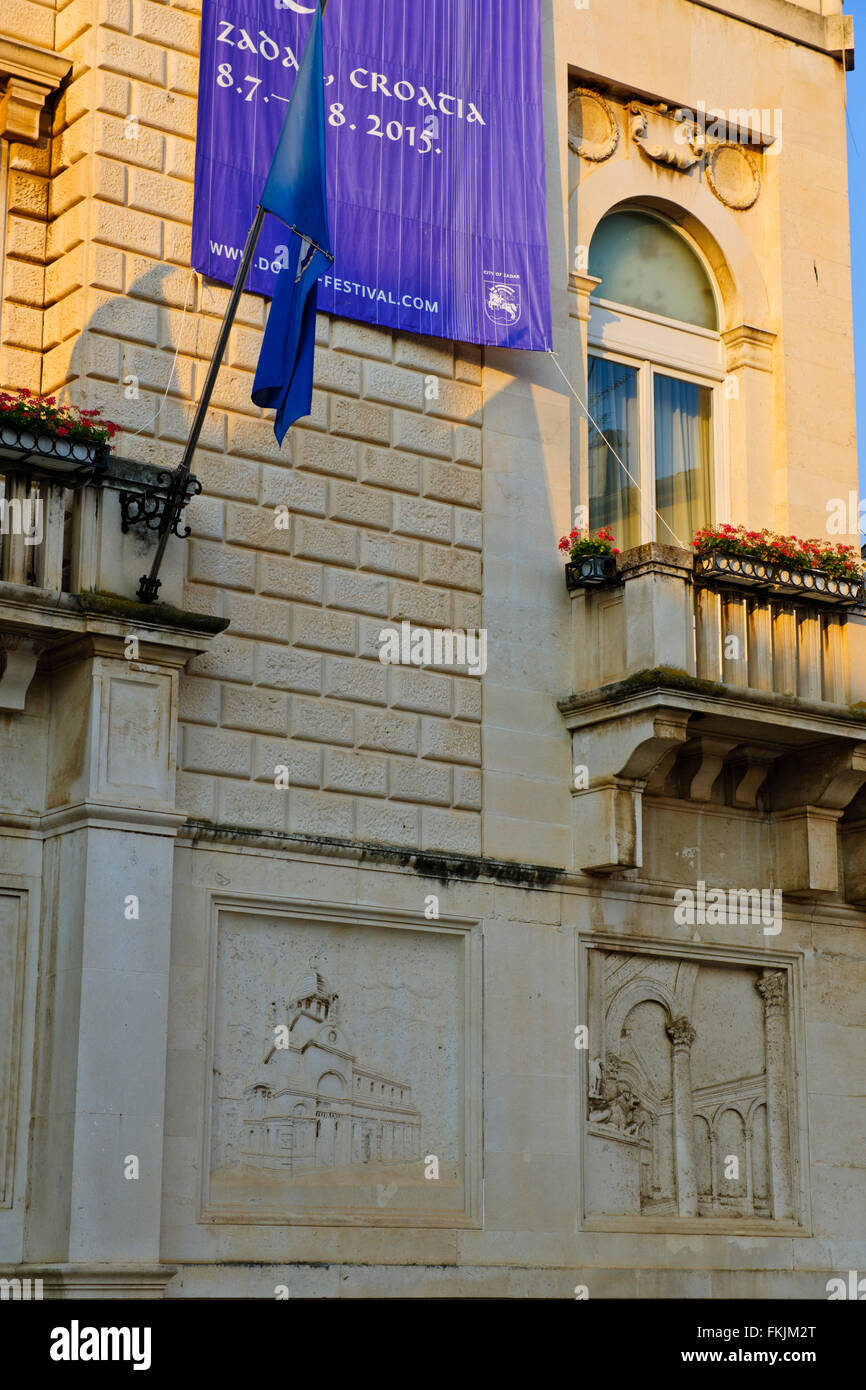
296 193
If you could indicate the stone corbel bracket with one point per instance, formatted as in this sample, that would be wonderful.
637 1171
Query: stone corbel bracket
754 767
28 77
620 755
748 346
809 793
19 655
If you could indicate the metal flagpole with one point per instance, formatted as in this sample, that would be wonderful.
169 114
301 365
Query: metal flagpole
177 498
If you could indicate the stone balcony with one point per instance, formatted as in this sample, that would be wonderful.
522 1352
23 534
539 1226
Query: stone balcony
82 541
88 675
69 564
702 695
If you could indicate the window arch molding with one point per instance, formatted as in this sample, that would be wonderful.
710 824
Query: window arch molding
710 227
743 482
689 252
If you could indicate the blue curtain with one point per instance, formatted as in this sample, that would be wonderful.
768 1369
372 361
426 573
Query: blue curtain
614 500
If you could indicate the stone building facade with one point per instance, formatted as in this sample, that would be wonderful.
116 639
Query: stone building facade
540 1076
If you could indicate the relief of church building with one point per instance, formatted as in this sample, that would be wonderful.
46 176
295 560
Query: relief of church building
314 1103
689 1097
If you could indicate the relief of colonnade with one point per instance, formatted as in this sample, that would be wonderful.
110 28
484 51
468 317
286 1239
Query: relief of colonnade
689 1106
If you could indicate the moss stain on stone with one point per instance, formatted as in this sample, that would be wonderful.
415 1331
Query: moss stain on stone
441 867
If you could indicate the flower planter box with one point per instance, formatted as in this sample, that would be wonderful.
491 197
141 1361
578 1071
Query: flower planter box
743 571
59 460
815 584
747 572
590 572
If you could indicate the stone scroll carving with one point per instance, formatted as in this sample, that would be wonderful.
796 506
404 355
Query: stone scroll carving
689 1097
666 126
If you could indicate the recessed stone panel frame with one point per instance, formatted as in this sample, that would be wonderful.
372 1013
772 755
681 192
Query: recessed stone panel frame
464 937
13 920
792 965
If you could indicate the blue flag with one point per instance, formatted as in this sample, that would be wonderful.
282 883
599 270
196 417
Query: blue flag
295 192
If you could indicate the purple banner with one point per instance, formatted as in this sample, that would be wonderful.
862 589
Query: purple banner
435 150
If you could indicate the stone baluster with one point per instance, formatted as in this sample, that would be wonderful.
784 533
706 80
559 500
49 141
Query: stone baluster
735 653
760 645
15 552
835 659
784 650
809 654
708 634
49 552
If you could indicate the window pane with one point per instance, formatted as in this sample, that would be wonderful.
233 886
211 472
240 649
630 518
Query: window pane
683 458
645 264
613 496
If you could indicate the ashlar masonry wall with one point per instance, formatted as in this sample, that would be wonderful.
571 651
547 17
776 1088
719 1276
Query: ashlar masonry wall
382 481
385 527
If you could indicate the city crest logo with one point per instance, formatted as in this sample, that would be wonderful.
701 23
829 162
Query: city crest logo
501 297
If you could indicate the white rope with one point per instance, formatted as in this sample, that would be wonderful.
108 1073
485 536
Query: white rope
625 470
192 276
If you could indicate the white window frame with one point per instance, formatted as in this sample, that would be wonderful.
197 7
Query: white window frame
651 343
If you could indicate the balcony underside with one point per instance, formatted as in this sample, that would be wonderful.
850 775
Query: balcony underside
795 766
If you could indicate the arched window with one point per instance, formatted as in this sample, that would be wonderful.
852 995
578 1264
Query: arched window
655 369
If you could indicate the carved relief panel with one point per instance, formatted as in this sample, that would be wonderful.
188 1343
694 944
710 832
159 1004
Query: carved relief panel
340 1072
690 1103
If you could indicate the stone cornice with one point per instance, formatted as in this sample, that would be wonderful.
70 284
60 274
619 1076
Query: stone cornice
28 76
777 715
830 34
62 617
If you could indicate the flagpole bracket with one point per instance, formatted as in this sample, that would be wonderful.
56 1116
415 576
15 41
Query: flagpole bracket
159 505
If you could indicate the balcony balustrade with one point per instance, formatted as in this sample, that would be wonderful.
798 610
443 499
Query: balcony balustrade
732 689
72 552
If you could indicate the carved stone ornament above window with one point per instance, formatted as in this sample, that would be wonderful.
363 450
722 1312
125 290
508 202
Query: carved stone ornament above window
733 176
672 137
678 143
593 132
